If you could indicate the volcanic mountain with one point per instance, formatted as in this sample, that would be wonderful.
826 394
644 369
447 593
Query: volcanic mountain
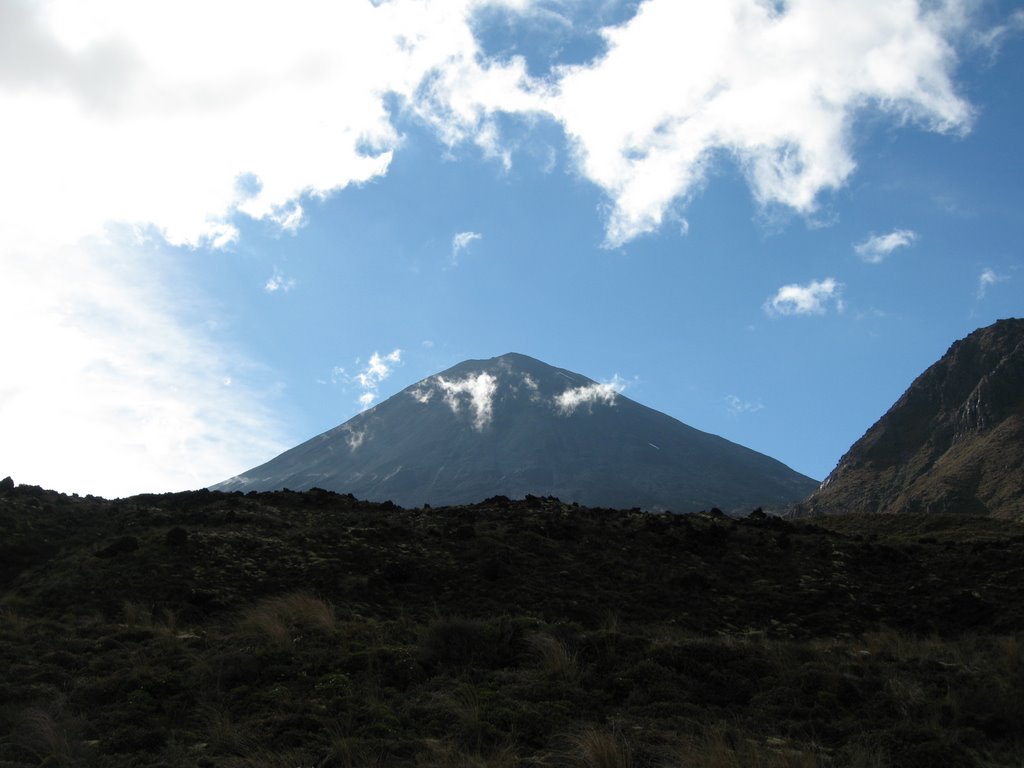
954 442
513 426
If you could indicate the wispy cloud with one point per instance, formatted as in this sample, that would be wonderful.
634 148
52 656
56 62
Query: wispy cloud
480 390
355 438
875 249
377 370
108 389
987 279
592 394
737 406
992 40
278 282
460 242
813 298
176 127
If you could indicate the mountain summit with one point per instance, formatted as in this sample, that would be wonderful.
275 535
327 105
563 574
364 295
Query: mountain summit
512 426
954 442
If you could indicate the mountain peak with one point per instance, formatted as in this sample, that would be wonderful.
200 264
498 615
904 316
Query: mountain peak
953 442
513 425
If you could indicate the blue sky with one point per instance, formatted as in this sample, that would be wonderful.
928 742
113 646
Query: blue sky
227 230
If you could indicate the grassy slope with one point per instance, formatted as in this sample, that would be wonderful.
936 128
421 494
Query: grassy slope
311 629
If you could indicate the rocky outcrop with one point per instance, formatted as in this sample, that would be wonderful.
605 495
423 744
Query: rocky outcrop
953 443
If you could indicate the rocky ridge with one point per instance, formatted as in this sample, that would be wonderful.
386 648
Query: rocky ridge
953 443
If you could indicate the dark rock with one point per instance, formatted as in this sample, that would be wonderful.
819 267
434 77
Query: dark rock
121 546
6 485
176 537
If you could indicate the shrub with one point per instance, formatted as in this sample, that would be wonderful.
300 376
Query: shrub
453 641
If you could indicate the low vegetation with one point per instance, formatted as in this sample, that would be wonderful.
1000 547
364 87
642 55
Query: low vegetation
286 629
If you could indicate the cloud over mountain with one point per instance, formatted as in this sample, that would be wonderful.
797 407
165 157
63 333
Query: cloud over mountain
478 389
571 399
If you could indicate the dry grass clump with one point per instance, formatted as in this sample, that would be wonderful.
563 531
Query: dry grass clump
279 620
443 754
12 621
595 748
137 615
222 732
717 748
49 736
556 660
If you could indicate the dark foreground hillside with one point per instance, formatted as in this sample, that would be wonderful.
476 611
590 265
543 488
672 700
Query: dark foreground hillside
288 629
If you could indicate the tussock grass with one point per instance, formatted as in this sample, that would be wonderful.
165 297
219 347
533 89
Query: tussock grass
444 754
13 621
556 660
137 615
722 747
594 748
688 642
49 735
222 732
278 621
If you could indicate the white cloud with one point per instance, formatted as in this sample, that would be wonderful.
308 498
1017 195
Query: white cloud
173 121
113 112
988 278
376 371
278 282
355 438
460 242
737 406
810 299
107 389
571 399
184 118
993 39
422 395
379 368
177 121
775 86
480 390
875 249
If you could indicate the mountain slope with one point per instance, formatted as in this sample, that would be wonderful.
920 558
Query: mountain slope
954 442
512 425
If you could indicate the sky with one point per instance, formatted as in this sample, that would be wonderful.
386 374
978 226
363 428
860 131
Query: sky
228 227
